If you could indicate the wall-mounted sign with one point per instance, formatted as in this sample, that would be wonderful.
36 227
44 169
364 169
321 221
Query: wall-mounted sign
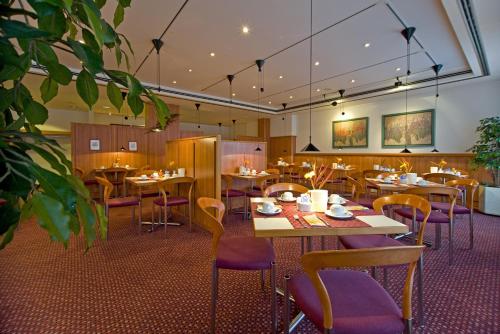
132 146
95 145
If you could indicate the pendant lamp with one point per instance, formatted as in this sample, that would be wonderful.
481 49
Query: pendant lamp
436 68
341 104
260 79
197 105
310 147
158 43
230 78
407 34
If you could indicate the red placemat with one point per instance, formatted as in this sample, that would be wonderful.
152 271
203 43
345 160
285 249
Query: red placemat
290 209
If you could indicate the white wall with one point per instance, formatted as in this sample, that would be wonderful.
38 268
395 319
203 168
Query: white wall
208 130
458 113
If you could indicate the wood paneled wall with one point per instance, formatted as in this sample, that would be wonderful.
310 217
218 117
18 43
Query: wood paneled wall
421 162
201 158
150 145
235 153
283 146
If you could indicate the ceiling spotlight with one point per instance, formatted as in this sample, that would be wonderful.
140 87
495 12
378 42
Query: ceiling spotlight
269 102
212 54
234 94
281 77
398 69
190 70
174 82
316 63
334 103
367 45
343 113
291 96
245 30
254 87
398 82
109 113
353 81
318 90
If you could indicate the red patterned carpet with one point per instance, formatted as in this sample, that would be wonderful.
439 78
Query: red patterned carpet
151 284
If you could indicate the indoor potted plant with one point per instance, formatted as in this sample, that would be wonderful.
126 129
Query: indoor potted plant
487 155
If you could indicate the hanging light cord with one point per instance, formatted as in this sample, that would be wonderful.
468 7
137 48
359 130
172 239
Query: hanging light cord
310 75
406 89
159 69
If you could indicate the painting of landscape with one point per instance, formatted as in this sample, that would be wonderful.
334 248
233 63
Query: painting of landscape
420 129
350 133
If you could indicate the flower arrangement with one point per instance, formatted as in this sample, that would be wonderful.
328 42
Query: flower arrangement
441 164
405 166
318 176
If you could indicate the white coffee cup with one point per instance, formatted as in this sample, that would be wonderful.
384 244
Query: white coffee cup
287 195
155 175
338 210
181 172
254 172
376 167
268 207
388 179
144 176
127 166
412 178
334 198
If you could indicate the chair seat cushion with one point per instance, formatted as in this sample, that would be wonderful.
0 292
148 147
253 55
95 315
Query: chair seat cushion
244 253
123 201
360 305
147 193
436 217
90 182
367 202
445 208
233 193
368 241
171 201
254 193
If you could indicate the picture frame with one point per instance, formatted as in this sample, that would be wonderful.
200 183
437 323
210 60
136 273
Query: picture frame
350 133
132 146
421 129
95 145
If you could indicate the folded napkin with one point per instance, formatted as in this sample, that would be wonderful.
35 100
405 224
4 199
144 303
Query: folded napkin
355 207
313 220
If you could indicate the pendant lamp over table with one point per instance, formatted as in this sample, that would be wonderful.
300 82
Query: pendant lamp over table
197 105
436 68
407 34
230 78
260 65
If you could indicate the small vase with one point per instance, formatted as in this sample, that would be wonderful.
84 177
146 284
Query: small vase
319 200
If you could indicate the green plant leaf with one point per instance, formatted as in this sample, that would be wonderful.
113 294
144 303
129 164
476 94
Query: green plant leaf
94 19
87 88
119 15
162 111
134 86
6 98
44 54
135 103
19 29
88 220
125 3
100 3
51 216
103 220
114 95
60 73
48 89
15 71
92 60
118 55
90 41
127 42
54 23
35 112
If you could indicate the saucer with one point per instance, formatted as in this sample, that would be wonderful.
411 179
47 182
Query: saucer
272 213
292 199
347 215
342 201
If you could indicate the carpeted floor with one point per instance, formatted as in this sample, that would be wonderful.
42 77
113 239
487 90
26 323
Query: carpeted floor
150 283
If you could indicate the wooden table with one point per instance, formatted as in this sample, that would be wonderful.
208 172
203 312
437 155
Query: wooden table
397 188
115 171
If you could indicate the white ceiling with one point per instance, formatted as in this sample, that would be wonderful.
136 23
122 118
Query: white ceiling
215 26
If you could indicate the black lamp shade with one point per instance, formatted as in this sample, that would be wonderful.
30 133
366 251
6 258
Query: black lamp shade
310 148
435 150
406 150
258 149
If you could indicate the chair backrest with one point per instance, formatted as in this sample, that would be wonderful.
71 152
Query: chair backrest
116 173
439 177
213 223
471 187
78 172
357 188
144 172
108 187
264 181
227 180
427 192
314 262
414 201
273 171
372 173
176 180
281 187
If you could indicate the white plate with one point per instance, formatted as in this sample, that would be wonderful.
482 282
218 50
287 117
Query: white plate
349 214
293 199
342 201
277 210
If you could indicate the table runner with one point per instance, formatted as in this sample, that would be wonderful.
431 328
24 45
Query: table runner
290 209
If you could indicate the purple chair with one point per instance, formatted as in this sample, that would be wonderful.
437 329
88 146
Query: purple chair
358 193
229 193
117 202
235 253
436 217
348 301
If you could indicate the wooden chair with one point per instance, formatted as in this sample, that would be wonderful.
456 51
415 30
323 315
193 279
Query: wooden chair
439 177
469 186
275 189
370 173
349 301
109 203
436 217
149 191
165 201
358 193
273 171
116 176
78 172
229 193
235 253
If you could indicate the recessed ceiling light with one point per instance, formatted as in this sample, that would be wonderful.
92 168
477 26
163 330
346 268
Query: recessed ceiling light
367 45
398 69
254 87
353 81
212 54
269 102
109 113
317 89
291 96
190 70
281 77
234 94
316 63
174 82
245 30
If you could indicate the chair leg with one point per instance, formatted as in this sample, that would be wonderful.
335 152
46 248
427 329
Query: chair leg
106 211
302 245
262 279
286 302
374 273
273 298
139 223
408 326
190 218
420 290
323 243
213 305
450 242
437 240
132 211
165 218
385 280
471 231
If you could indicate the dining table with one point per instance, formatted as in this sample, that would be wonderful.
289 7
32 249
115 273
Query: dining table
111 173
396 187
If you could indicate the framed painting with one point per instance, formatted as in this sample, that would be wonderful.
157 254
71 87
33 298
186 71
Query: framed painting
95 145
420 129
132 146
351 133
